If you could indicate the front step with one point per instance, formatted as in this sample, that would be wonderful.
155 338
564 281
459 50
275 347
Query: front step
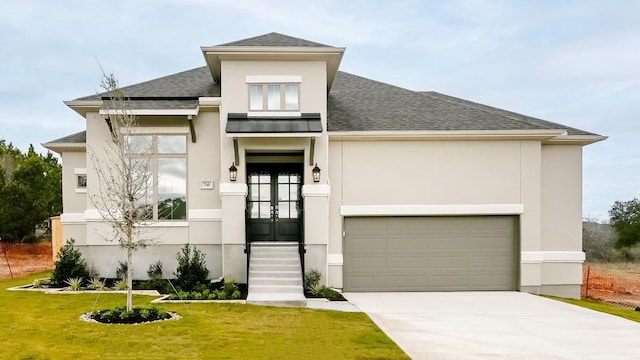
275 275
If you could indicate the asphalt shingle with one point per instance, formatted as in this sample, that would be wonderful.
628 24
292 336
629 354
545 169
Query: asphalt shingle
274 39
191 83
77 138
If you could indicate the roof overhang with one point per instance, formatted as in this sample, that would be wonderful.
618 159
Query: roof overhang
82 107
555 137
65 147
159 112
243 125
541 135
576 140
332 56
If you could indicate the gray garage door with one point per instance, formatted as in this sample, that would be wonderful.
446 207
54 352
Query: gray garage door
430 253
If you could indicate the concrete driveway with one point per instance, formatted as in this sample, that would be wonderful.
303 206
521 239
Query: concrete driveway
497 325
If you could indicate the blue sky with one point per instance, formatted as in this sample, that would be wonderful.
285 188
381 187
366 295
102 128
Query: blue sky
572 62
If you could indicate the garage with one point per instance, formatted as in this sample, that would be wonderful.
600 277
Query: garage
454 253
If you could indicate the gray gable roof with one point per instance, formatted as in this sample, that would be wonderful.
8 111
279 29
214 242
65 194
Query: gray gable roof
192 83
77 138
274 39
360 104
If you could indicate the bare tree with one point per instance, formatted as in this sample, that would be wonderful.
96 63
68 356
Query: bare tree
123 193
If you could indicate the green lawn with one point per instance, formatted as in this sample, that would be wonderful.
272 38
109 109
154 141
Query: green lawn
603 307
34 325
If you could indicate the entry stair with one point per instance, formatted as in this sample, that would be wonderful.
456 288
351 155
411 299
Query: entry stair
275 274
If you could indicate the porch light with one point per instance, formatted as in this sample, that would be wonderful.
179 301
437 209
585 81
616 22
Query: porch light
316 173
233 172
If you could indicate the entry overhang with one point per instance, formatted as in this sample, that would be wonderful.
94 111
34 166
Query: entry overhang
243 125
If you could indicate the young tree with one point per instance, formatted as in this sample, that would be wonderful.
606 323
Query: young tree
124 178
625 219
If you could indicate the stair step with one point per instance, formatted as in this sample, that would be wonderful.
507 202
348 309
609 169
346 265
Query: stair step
276 281
276 289
270 261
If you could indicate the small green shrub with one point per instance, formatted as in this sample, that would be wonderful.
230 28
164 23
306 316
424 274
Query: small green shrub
120 285
312 280
74 284
96 284
120 315
40 283
192 269
331 294
30 239
155 270
121 271
69 264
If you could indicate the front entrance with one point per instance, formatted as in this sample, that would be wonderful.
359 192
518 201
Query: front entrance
274 202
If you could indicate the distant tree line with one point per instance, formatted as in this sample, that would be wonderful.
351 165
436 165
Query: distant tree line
30 192
619 240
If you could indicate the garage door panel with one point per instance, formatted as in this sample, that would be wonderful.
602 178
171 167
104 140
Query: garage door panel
429 253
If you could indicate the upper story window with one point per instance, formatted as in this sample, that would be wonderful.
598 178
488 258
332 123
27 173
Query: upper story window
81 181
163 170
274 97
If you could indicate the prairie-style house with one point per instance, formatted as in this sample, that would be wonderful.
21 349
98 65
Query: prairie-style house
276 162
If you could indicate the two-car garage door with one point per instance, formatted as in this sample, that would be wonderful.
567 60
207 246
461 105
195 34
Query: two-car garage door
430 253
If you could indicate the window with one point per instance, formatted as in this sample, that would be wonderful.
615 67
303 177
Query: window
81 181
161 162
274 97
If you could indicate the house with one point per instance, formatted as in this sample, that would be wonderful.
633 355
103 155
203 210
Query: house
273 149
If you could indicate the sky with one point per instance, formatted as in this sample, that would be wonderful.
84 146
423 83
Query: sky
572 62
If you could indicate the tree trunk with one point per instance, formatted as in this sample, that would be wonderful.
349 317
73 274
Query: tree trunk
129 279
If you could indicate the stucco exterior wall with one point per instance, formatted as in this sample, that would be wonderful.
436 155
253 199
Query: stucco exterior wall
544 180
203 224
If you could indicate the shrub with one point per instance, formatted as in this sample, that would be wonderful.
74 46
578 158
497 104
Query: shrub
30 239
120 285
96 284
312 279
69 264
121 271
192 269
40 283
120 315
74 283
155 271
331 294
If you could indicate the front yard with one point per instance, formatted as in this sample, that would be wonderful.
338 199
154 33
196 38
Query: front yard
34 325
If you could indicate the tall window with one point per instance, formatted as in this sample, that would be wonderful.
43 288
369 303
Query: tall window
165 158
274 97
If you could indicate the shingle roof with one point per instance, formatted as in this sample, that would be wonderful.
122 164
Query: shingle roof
502 112
191 83
274 39
354 103
77 138
360 104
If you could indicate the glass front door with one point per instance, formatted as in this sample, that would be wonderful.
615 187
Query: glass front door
274 202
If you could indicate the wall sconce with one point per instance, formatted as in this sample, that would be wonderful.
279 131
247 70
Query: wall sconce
233 172
316 173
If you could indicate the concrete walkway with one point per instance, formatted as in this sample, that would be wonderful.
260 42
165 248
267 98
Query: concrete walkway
497 325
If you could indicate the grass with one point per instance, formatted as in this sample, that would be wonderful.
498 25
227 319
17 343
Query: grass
603 307
40 326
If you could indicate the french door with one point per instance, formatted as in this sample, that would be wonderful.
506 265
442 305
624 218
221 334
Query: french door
274 202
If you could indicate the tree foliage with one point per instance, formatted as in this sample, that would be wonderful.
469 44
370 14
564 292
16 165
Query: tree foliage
30 189
625 219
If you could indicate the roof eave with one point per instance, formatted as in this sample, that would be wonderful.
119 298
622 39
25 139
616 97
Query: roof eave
82 107
575 140
65 147
541 135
